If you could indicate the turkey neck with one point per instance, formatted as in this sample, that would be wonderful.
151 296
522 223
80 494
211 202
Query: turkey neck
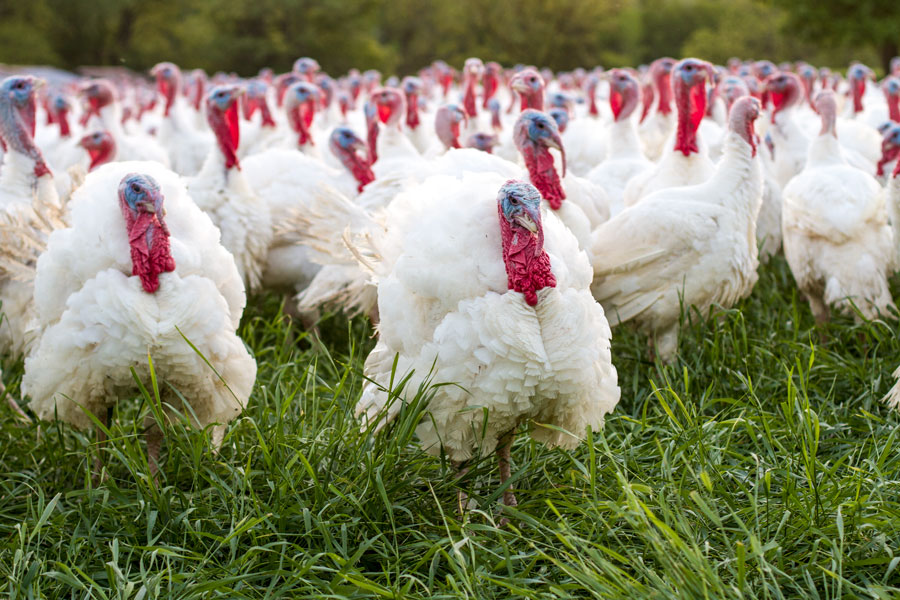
624 140
664 93
226 127
527 264
412 110
691 104
893 103
469 103
357 165
738 177
542 173
17 130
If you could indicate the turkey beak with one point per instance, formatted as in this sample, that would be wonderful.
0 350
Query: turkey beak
519 85
554 141
525 220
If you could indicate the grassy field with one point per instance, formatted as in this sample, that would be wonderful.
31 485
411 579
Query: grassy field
760 465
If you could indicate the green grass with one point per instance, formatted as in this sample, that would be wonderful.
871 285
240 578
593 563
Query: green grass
760 465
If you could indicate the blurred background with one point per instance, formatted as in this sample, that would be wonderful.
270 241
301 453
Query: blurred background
400 36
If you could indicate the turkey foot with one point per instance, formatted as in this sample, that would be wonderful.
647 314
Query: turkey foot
503 448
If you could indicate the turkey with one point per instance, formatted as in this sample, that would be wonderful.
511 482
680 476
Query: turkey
657 125
100 146
510 322
586 205
221 190
187 146
26 189
26 184
683 162
693 245
626 158
100 103
836 237
122 283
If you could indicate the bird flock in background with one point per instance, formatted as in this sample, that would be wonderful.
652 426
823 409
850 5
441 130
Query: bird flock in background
493 223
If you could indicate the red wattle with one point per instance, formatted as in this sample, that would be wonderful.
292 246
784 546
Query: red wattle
384 113
616 101
527 264
543 175
150 251
412 111
893 103
469 100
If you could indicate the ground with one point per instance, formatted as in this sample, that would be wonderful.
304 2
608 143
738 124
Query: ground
760 465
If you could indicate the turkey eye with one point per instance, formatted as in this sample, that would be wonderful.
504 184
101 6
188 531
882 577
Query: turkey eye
514 201
135 188
540 125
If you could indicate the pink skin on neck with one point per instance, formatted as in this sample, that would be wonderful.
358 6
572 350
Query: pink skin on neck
533 99
21 138
691 105
663 82
527 264
742 118
827 109
151 254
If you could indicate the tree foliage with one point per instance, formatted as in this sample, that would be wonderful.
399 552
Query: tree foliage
402 35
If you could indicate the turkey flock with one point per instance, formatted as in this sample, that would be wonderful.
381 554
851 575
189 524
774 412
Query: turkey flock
493 223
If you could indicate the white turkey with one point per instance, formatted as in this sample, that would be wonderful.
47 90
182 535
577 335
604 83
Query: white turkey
186 145
626 159
221 190
139 272
684 161
500 309
101 104
836 236
685 246
657 124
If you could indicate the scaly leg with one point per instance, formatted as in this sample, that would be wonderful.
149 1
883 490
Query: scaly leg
503 448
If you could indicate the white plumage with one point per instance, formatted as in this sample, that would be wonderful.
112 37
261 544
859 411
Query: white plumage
687 246
445 301
836 237
97 322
